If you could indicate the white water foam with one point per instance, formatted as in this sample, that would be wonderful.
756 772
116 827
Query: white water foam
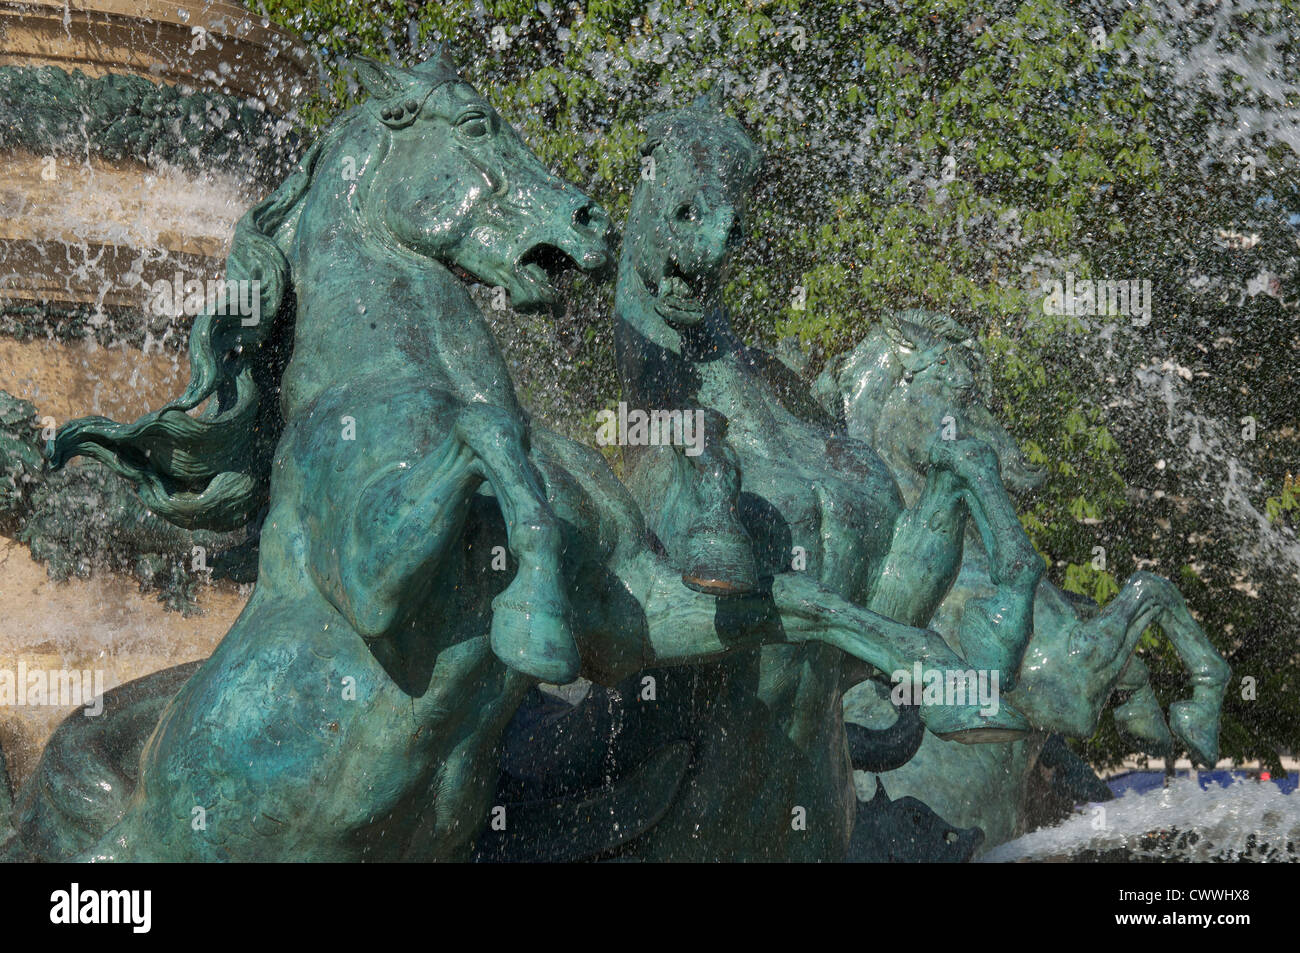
1246 820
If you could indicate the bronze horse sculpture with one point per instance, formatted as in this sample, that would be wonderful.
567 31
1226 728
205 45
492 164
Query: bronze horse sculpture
767 727
368 421
912 367
793 496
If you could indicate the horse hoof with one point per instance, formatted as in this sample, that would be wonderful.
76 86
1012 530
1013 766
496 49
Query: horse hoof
1197 729
967 724
1142 718
720 571
711 586
535 641
718 555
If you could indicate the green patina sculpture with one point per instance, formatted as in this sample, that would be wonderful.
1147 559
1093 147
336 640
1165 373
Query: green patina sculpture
808 501
367 422
767 727
366 427
912 369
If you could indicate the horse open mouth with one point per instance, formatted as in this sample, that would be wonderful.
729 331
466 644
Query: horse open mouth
679 298
539 269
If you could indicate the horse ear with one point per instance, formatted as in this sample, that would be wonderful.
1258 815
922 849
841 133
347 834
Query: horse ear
438 66
710 98
377 78
655 127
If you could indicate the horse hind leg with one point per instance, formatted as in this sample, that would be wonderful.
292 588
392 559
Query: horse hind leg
1194 721
1141 716
531 624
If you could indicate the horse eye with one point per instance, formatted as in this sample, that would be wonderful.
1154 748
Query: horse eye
474 126
687 212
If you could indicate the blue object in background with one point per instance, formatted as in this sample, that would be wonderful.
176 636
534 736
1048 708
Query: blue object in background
1140 782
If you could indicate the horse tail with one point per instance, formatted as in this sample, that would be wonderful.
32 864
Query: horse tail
211 471
884 749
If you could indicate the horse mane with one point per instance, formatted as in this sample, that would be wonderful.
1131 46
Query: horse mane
873 369
705 133
212 470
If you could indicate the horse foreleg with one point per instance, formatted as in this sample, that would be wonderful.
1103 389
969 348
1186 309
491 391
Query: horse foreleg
402 521
690 495
926 551
1141 716
1073 666
994 630
1194 721
719 555
682 627
1069 678
531 626
406 517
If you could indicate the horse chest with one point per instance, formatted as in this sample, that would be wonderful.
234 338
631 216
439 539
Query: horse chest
818 519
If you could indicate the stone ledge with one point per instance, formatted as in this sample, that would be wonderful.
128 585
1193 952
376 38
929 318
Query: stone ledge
240 54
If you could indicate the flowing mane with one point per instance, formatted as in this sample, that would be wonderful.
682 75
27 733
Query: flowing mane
212 470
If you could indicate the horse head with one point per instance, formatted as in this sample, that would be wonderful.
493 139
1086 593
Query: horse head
455 183
430 170
689 210
912 371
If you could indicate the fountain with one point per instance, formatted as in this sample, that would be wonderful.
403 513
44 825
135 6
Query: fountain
133 136
350 438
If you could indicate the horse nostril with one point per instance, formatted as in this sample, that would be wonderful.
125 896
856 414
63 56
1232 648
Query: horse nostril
589 216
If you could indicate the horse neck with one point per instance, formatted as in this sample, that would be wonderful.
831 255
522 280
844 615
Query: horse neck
661 367
878 411
360 295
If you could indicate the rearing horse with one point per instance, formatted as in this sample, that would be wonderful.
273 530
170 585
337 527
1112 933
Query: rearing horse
912 368
354 709
788 496
811 494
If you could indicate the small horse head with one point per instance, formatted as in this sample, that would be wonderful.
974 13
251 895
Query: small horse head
456 183
690 207
912 371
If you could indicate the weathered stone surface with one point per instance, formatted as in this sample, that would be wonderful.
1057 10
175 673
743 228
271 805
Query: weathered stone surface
178 42
100 623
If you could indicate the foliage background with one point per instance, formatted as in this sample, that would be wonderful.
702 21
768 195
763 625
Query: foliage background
956 155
